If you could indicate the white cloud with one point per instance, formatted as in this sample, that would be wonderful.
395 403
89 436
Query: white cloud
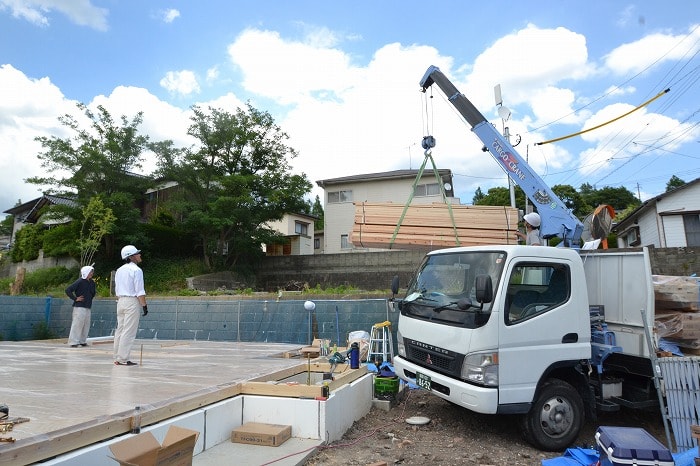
81 12
652 50
170 15
182 82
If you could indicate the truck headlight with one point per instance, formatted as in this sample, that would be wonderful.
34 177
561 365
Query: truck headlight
481 368
400 347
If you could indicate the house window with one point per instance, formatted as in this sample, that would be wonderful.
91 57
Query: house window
301 228
317 243
691 224
632 238
344 243
339 196
431 189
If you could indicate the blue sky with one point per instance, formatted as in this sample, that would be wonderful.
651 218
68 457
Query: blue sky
341 78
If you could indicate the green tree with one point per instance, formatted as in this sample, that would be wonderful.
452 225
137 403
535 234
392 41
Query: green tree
104 160
6 225
501 196
674 183
97 222
478 196
28 242
572 200
317 211
618 198
234 181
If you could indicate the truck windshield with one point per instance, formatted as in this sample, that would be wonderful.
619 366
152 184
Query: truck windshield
438 291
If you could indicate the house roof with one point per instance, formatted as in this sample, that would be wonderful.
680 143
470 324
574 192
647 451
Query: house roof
29 211
649 204
390 175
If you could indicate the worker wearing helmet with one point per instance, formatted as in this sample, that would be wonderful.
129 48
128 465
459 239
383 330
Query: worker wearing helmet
129 288
532 226
81 292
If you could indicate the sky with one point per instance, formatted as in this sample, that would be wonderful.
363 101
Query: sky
342 80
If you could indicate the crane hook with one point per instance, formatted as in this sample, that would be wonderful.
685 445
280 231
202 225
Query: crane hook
428 142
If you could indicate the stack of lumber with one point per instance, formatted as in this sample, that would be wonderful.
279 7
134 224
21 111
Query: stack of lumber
430 225
677 302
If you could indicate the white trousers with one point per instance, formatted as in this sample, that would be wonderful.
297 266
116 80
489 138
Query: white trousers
128 316
80 326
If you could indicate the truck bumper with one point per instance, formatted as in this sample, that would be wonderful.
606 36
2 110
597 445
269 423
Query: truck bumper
478 399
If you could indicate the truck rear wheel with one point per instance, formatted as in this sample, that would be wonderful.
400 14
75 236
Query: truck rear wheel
556 417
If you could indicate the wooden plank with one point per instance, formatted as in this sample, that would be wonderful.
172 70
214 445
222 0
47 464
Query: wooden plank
429 225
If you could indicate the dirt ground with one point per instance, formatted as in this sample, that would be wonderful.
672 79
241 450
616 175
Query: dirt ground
455 436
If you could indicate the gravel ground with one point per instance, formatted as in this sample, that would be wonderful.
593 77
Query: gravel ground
454 436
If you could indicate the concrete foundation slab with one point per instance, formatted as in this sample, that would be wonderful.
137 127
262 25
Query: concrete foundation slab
74 396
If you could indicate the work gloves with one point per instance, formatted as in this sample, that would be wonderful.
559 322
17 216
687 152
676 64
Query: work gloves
145 310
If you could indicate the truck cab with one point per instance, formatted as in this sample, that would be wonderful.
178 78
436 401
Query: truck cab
483 327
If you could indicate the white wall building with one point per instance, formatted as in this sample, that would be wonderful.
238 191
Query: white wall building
669 220
340 194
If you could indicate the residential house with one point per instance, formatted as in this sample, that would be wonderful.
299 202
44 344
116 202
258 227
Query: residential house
32 212
669 220
393 186
299 232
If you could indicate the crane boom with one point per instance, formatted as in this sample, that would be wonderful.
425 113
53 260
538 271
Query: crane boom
557 219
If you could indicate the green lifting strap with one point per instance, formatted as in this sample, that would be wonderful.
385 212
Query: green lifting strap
428 156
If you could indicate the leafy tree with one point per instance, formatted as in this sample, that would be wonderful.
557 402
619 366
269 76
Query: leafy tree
572 199
6 225
97 222
99 161
235 181
317 211
674 183
501 196
478 196
28 242
618 198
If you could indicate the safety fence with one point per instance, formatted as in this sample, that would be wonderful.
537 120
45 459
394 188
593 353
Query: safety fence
283 321
681 377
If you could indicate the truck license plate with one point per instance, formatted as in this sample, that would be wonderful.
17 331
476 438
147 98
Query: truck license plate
423 381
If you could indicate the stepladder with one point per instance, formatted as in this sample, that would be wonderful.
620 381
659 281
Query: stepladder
381 344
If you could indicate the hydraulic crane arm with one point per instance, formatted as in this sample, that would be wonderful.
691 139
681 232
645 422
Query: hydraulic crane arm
557 219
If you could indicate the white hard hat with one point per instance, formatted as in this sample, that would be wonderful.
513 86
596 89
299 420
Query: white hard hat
85 271
129 250
533 218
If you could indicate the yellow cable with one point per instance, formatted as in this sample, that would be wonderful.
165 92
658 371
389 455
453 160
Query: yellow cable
607 122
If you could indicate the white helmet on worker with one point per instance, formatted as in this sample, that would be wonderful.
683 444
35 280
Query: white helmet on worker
129 250
533 218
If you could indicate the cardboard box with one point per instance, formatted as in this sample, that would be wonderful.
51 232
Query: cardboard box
255 433
144 450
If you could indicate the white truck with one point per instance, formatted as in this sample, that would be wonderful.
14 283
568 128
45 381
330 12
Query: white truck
549 333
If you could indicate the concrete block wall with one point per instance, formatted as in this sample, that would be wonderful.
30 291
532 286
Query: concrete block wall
375 270
212 319
682 262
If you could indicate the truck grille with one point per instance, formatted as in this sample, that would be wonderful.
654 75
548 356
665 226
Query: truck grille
437 359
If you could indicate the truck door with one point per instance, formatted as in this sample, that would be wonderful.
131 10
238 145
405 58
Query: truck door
541 326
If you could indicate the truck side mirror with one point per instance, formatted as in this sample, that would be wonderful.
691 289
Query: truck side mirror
484 288
395 285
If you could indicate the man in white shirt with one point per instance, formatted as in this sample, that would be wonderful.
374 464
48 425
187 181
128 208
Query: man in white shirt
129 288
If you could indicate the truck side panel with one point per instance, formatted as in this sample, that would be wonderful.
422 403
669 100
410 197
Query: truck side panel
620 280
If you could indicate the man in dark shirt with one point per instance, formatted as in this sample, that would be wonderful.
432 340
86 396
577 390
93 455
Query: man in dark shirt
81 292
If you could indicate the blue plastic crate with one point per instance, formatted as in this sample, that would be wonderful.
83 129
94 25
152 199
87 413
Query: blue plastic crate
619 446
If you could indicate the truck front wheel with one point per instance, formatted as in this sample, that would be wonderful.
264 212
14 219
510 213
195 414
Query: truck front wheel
556 417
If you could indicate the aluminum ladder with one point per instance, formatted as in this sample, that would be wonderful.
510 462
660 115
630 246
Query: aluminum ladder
381 344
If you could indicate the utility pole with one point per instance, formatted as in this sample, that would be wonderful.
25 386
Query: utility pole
504 113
